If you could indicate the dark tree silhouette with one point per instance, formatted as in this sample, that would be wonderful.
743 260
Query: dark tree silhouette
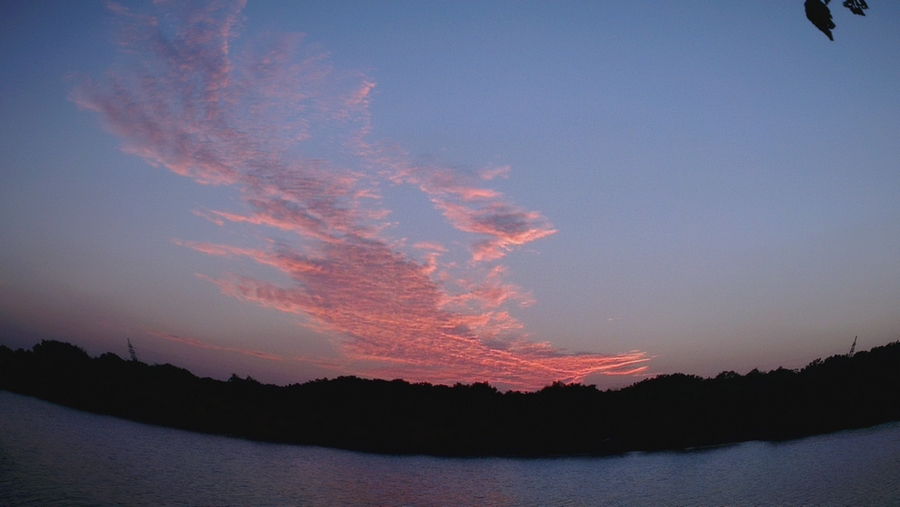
820 15
666 412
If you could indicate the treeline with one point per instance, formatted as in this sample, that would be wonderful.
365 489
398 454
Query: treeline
666 412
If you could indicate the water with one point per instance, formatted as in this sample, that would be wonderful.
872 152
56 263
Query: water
50 455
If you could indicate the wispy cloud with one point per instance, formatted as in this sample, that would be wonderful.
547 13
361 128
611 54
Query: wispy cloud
274 119
203 345
192 342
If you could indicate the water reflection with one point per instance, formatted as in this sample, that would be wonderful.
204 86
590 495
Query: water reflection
55 456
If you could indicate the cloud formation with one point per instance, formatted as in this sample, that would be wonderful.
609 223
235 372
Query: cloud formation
315 361
272 118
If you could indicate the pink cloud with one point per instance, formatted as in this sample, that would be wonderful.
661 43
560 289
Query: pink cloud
494 172
499 225
504 226
389 312
426 245
272 118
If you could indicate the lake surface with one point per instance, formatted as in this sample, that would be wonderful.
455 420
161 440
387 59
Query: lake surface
51 455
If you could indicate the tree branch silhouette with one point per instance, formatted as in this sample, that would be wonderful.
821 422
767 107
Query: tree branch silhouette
818 13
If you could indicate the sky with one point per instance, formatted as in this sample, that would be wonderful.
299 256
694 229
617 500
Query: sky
511 192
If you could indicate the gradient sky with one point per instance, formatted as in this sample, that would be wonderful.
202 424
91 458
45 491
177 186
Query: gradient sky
512 192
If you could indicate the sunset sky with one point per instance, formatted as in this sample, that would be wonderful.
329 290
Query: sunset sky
511 192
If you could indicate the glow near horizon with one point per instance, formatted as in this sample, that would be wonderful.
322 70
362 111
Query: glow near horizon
322 199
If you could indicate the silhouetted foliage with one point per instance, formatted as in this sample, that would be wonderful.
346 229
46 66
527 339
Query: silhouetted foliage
856 6
819 14
667 412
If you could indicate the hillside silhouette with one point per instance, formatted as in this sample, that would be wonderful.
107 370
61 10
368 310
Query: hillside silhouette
666 412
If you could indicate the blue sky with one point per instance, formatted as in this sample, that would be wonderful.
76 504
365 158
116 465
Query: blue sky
588 191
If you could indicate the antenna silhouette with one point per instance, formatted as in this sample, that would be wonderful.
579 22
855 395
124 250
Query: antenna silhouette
133 354
853 347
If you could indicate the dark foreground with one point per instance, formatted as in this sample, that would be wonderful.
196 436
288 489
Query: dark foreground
666 412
